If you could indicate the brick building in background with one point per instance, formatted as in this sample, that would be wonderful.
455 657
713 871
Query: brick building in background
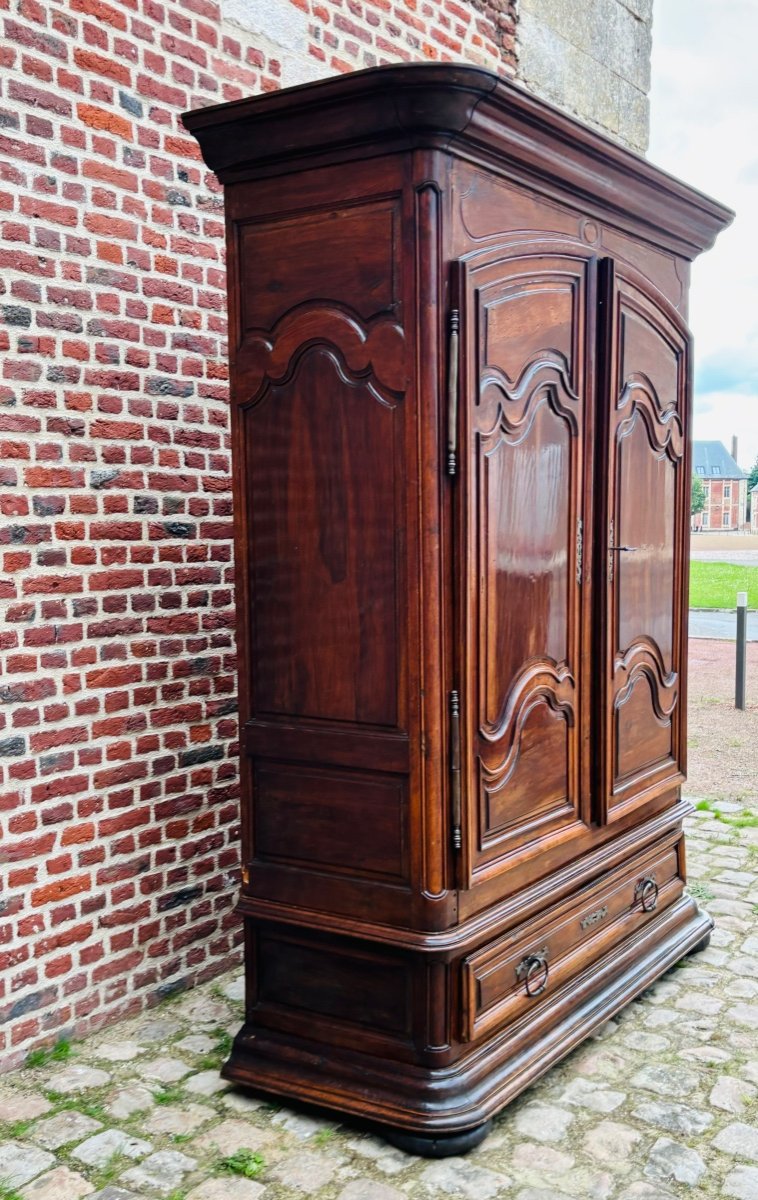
117 710
725 486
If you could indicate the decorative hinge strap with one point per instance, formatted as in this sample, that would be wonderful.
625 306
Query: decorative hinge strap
611 541
579 549
455 767
452 393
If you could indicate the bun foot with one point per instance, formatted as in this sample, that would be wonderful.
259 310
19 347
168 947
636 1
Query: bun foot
703 945
441 1145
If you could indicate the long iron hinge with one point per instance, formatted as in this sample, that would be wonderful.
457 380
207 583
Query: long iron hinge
611 540
579 549
455 767
452 392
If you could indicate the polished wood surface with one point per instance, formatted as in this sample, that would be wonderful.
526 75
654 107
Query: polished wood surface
460 375
524 477
644 433
503 979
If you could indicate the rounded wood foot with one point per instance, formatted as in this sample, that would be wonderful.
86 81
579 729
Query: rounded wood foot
439 1145
703 945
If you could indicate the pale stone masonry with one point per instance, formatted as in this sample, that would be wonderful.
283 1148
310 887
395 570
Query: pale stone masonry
592 59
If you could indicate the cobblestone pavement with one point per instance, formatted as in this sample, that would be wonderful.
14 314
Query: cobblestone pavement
661 1103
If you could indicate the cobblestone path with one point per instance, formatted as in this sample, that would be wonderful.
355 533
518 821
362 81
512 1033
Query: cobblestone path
662 1103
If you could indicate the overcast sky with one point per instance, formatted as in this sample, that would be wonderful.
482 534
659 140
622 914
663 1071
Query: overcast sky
704 128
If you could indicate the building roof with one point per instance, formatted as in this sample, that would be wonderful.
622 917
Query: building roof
712 460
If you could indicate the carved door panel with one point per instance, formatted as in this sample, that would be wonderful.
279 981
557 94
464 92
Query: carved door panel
525 420
642 526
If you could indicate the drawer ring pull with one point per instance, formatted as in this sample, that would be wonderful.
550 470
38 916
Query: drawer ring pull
534 971
647 893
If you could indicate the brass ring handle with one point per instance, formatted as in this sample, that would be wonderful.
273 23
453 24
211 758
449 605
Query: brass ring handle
647 893
534 970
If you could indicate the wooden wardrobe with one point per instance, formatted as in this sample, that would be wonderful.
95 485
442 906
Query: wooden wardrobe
461 405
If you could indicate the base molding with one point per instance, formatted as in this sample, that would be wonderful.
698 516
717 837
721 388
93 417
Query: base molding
460 1099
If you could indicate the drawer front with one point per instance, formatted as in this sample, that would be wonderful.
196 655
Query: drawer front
504 979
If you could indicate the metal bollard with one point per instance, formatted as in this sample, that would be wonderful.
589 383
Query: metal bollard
739 684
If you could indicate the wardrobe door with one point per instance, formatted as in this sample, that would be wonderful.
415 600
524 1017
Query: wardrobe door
644 528
523 418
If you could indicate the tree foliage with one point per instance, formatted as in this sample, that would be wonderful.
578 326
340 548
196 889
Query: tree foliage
752 480
698 495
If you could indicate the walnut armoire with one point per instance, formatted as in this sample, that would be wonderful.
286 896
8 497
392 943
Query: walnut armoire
461 396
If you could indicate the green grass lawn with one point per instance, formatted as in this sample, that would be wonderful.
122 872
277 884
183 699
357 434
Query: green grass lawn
715 585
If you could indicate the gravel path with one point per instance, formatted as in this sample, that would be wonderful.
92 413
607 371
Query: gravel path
740 558
738 548
722 741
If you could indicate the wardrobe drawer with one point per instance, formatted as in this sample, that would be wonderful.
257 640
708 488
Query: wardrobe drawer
507 977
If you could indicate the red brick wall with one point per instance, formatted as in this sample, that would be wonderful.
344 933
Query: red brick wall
117 710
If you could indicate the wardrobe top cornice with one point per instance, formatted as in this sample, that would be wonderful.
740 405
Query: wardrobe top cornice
470 113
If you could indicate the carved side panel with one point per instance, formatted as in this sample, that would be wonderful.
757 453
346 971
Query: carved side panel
323 433
322 452
647 518
526 326
343 254
320 378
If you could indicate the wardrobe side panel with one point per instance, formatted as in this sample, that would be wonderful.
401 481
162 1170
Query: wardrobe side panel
324 439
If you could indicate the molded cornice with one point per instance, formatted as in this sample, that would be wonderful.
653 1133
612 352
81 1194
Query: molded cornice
471 113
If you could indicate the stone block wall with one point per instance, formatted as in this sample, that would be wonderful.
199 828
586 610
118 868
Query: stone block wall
118 783
592 59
